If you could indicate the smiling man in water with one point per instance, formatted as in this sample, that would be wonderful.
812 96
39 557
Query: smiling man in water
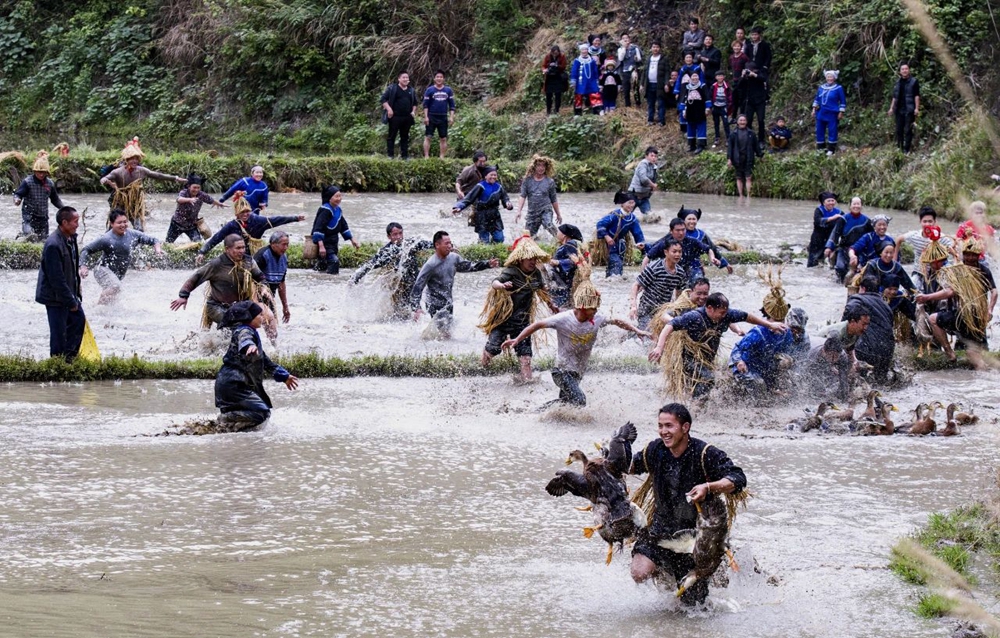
685 471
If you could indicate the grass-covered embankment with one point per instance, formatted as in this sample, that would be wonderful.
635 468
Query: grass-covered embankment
17 255
19 368
940 558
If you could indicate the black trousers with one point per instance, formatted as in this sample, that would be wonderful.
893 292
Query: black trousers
756 108
553 97
399 124
627 87
65 331
904 130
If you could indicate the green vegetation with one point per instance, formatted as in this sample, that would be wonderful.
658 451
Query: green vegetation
934 606
296 83
19 368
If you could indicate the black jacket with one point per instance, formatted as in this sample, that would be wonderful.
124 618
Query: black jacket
906 93
59 276
877 344
662 74
761 55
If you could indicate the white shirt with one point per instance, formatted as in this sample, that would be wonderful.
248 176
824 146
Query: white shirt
575 339
654 64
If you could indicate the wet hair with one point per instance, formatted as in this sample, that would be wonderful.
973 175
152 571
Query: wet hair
717 300
193 179
700 281
678 411
438 236
391 227
927 210
833 344
855 312
675 222
328 192
231 240
870 283
276 236
478 155
115 214
670 242
64 214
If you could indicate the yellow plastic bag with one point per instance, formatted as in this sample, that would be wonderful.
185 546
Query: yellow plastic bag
88 348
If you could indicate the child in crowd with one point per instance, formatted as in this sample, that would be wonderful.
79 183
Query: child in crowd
779 136
610 81
722 104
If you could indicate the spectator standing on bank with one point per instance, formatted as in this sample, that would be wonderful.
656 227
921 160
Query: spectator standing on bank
737 62
759 51
710 59
596 50
439 113
629 59
697 106
722 104
693 39
828 108
657 73
554 79
611 82
585 78
400 105
906 106
754 89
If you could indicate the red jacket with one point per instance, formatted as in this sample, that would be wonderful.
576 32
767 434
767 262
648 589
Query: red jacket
729 96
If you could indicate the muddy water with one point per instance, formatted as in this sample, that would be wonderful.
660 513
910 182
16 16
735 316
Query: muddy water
415 507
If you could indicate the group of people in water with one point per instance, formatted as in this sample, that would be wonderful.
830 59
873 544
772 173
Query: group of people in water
949 294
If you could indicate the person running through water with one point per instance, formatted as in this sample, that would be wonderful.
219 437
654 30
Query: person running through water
33 196
188 212
615 227
115 247
402 257
126 183
510 305
273 262
328 227
563 265
233 276
248 225
576 333
438 276
486 197
239 384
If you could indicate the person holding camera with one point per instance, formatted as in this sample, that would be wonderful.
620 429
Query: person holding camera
629 59
554 79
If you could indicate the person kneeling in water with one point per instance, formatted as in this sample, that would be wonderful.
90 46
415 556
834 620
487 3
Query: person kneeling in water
239 385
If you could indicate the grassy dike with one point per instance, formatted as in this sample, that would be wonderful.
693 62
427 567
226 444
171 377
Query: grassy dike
19 368
17 255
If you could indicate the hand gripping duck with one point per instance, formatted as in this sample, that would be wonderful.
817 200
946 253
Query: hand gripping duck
616 519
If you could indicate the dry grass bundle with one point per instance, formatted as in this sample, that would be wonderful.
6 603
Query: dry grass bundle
902 329
132 199
973 297
253 245
774 302
665 312
598 249
498 308
682 361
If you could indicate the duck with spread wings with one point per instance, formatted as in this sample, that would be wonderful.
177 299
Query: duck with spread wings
616 519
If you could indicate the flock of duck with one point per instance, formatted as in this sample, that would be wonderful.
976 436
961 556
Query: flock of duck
876 419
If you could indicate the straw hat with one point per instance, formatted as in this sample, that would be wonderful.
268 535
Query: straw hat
524 248
775 306
240 203
934 251
973 245
586 296
132 149
41 162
